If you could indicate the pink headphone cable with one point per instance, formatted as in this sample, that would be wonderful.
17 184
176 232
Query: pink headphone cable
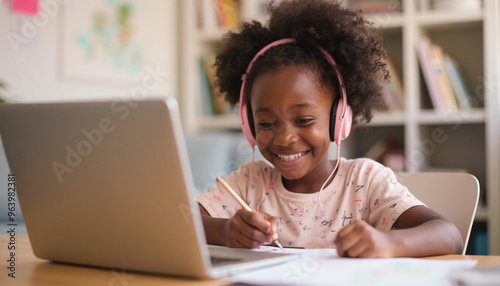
329 177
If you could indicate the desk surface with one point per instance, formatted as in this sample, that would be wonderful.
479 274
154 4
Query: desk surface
31 270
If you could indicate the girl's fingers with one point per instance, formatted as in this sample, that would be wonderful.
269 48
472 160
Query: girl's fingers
273 225
246 229
348 239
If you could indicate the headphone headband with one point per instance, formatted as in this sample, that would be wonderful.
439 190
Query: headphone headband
346 111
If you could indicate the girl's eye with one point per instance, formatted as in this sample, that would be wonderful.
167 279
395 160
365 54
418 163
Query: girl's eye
304 121
266 124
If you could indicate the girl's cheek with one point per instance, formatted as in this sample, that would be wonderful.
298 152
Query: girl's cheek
264 137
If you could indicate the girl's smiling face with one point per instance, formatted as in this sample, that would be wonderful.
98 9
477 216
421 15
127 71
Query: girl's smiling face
291 113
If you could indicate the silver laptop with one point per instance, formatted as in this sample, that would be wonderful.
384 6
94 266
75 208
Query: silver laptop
108 184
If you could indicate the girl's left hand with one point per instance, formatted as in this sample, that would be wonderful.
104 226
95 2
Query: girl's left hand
359 239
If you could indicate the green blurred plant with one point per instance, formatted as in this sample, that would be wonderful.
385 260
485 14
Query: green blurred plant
3 88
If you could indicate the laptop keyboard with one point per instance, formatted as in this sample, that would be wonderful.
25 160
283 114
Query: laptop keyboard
222 260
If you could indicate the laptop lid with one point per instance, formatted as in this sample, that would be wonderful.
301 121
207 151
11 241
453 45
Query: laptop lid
105 184
108 184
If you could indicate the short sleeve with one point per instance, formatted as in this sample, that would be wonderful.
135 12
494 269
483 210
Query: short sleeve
388 199
219 203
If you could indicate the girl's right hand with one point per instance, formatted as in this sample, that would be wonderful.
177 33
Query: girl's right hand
248 229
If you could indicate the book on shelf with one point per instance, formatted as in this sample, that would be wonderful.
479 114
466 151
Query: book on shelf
447 89
442 77
228 11
393 98
464 97
426 64
213 102
215 14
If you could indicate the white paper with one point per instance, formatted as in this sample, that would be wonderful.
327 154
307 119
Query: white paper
483 275
325 267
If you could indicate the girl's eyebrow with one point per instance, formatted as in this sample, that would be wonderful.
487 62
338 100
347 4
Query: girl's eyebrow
295 106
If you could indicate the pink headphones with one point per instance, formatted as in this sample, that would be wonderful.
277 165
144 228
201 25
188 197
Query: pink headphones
340 118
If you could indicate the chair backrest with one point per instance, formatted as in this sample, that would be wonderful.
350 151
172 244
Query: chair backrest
453 195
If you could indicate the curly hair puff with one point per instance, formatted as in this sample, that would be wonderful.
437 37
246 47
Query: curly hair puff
352 41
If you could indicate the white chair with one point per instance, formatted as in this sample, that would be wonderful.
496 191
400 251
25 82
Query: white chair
453 195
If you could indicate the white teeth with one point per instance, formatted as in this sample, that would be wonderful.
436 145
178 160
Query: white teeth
291 157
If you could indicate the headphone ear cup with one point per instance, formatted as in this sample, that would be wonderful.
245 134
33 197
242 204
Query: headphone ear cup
250 120
333 116
340 120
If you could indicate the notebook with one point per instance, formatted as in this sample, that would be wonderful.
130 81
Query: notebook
108 184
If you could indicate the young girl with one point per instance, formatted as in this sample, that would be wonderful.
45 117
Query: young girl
299 82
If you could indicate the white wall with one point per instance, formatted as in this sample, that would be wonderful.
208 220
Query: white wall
29 64
30 61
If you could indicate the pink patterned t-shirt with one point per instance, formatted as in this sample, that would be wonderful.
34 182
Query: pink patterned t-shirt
362 189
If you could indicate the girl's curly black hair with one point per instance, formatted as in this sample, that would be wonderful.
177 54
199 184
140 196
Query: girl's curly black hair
352 41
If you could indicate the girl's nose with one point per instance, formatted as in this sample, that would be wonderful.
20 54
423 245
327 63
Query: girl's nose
285 135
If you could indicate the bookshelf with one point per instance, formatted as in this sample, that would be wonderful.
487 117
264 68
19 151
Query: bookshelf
464 139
